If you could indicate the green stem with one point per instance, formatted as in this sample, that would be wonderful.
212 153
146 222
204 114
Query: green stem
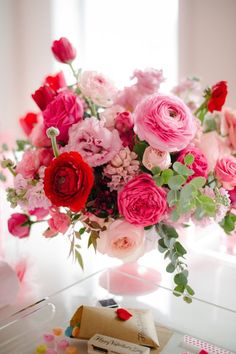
54 146
11 170
73 71
203 105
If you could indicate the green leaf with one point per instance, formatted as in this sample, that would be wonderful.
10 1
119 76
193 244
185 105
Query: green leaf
187 299
169 231
139 149
174 258
93 239
182 169
228 223
190 290
180 279
161 246
167 174
82 230
175 215
172 197
180 249
175 182
188 159
156 170
170 268
159 180
178 290
198 182
21 144
148 227
208 204
188 193
79 259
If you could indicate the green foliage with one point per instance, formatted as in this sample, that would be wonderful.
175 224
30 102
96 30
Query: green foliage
172 250
175 182
228 223
22 144
139 149
182 169
189 159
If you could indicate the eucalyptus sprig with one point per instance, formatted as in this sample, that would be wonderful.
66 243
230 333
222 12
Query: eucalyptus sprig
172 249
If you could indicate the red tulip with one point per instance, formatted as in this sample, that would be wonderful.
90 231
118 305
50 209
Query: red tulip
43 96
63 50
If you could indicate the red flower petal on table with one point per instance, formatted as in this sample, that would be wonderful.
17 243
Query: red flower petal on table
123 314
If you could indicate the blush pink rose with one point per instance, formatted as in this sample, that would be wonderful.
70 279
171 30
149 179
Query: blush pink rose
122 240
199 165
165 122
230 121
16 225
96 144
141 202
225 171
156 158
97 87
29 164
65 110
214 147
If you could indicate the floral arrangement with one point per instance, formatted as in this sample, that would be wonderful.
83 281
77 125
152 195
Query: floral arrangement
120 162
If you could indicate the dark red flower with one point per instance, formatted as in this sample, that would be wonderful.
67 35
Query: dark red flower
43 96
28 122
218 95
68 181
123 314
56 82
63 50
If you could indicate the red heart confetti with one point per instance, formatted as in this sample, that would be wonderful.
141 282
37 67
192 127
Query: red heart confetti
203 352
123 314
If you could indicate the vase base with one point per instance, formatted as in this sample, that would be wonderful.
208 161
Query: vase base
130 279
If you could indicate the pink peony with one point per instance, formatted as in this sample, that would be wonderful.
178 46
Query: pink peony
149 80
165 122
199 165
156 158
64 111
214 147
29 164
16 225
122 240
96 144
141 202
225 171
97 87
230 121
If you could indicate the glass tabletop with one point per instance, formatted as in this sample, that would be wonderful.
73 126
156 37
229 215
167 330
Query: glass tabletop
22 332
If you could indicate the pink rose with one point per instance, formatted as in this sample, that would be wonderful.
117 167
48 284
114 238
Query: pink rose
97 87
214 147
65 110
29 164
96 144
124 124
16 225
225 171
38 136
149 80
230 121
141 202
165 122
122 240
59 222
156 158
199 165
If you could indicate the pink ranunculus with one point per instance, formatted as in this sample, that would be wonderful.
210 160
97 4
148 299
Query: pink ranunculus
149 80
156 158
230 121
122 240
108 116
29 164
16 225
97 87
199 165
64 111
38 136
141 201
165 122
96 144
232 195
225 171
214 147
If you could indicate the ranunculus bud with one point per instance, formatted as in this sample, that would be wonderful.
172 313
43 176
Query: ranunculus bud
63 50
17 227
43 96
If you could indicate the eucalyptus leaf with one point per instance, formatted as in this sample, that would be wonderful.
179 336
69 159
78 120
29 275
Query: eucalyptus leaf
175 182
182 169
170 268
188 159
180 279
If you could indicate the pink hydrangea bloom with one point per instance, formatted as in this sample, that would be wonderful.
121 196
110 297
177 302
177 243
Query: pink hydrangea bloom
65 110
29 164
96 144
97 87
122 240
165 122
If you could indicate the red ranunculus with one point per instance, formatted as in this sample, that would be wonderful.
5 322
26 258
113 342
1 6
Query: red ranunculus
17 225
43 96
218 95
63 50
68 181
28 122
56 82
